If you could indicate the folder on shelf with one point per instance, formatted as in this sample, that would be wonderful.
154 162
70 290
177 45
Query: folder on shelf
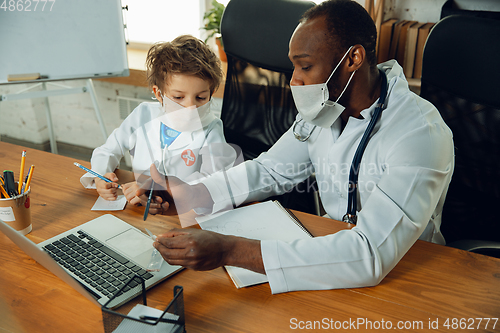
423 33
410 50
395 39
385 40
400 51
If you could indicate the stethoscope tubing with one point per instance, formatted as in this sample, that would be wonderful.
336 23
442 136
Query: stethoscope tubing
350 215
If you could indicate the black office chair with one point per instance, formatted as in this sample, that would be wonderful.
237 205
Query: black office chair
460 74
450 7
258 106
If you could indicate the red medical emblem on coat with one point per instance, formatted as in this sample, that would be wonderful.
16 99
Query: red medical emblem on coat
188 157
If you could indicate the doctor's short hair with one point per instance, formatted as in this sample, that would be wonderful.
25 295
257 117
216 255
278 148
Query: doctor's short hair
183 55
348 24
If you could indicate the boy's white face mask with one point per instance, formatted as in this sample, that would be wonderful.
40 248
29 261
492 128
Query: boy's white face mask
184 119
313 104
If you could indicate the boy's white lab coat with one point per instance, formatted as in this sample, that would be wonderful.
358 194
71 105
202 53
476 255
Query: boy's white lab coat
189 157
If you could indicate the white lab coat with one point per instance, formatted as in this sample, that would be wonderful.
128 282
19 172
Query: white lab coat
403 179
190 157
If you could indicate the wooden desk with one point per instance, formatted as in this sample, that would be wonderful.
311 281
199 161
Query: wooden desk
431 283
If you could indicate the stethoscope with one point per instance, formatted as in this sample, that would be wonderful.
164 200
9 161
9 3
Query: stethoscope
350 216
297 135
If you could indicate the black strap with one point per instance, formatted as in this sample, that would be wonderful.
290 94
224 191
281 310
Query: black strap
352 197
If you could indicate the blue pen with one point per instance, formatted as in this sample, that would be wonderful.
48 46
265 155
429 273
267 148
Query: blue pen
146 211
95 173
26 181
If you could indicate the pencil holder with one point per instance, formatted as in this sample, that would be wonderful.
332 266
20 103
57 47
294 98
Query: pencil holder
16 212
135 316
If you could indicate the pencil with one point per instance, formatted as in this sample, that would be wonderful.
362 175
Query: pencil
30 175
92 172
4 192
21 172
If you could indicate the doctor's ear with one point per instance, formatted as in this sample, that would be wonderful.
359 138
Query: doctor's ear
357 56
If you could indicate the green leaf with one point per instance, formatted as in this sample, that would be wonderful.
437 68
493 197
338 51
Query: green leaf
212 18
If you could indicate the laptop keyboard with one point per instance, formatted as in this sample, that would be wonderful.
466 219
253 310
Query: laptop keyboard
99 266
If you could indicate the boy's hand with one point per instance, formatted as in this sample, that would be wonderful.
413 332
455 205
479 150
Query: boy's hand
105 189
172 196
129 190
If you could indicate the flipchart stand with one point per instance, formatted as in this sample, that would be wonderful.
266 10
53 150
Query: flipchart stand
27 93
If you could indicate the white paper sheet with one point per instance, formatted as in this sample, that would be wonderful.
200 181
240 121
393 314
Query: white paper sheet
103 204
266 220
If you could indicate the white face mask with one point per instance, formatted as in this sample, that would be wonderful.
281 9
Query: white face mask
313 104
185 119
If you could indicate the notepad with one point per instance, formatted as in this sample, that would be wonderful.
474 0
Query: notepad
262 221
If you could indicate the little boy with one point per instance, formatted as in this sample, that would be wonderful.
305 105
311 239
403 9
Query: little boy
178 133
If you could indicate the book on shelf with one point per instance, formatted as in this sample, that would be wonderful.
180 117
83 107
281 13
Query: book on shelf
263 221
410 50
385 37
423 33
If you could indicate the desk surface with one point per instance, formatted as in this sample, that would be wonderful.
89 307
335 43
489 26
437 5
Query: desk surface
431 284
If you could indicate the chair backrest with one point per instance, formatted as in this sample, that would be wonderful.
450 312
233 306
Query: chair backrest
258 107
460 74
471 9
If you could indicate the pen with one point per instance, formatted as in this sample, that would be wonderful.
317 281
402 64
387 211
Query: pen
30 174
165 320
26 180
10 185
95 173
146 211
21 172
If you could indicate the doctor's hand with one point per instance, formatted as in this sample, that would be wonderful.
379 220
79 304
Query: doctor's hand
192 248
130 190
171 196
203 250
105 189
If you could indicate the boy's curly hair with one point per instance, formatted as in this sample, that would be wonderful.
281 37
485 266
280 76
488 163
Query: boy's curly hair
183 55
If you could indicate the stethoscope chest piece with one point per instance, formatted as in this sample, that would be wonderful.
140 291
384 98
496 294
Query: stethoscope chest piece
297 135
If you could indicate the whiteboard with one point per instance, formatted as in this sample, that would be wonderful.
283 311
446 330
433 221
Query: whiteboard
62 39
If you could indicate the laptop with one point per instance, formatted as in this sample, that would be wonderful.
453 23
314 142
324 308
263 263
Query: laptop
97 259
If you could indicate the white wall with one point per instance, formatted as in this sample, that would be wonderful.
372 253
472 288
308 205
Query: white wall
415 10
151 21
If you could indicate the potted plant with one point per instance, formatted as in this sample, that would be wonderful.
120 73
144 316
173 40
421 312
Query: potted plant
212 20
